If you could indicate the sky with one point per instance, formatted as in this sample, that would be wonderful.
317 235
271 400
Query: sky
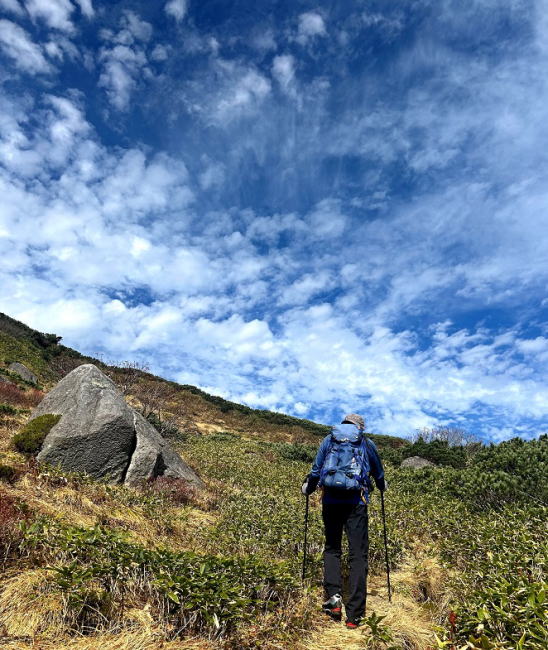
308 207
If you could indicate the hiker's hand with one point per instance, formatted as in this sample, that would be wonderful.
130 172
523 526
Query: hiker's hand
381 484
309 485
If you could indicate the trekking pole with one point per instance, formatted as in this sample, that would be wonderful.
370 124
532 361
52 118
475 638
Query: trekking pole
386 548
305 536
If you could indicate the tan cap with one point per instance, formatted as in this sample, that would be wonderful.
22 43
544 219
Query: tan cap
354 418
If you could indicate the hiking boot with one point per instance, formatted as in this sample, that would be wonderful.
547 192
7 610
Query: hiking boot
353 624
333 607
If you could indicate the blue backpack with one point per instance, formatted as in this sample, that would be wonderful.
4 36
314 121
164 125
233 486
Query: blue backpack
346 465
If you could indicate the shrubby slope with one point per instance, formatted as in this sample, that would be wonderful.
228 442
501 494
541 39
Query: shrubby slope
89 565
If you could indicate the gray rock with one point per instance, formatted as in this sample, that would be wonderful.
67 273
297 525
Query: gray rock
153 456
417 462
99 434
23 372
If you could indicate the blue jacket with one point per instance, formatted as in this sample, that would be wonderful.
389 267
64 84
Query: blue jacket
346 496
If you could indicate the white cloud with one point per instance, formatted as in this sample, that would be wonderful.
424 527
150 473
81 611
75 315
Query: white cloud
12 6
300 292
176 9
124 62
55 13
140 29
311 24
264 40
160 52
212 176
86 7
327 220
243 93
63 48
70 316
239 339
122 66
18 46
283 69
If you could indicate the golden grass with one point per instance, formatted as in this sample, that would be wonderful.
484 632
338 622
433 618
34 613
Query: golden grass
88 505
424 579
121 641
33 615
409 621
30 605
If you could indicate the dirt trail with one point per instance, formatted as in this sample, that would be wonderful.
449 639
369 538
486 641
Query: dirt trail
408 620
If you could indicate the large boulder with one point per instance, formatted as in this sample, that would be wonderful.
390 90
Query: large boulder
99 434
23 372
417 462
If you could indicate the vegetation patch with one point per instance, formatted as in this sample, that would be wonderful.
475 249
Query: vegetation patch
294 451
31 438
166 428
176 490
438 452
12 514
12 395
8 473
98 570
8 409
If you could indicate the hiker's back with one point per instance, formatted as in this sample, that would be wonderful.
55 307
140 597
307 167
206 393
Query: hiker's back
346 465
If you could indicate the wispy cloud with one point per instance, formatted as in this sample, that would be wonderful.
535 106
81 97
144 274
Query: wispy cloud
124 60
55 13
176 9
314 212
23 52
311 25
12 6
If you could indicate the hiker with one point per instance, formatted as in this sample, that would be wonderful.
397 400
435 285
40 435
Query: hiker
342 467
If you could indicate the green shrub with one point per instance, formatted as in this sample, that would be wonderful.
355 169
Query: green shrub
204 593
30 439
438 452
165 428
224 436
8 474
7 409
296 451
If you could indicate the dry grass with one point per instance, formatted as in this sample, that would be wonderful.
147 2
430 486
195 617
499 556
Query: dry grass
88 505
423 579
409 621
122 641
29 605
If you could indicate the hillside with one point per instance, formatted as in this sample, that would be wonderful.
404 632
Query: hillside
193 409
85 565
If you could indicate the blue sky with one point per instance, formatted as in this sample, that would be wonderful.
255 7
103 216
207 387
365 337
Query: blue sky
303 206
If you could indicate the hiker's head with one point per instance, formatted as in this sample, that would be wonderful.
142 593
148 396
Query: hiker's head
354 418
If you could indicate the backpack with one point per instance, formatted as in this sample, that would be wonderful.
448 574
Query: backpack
346 465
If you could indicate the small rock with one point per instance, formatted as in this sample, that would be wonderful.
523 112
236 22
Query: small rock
23 372
417 462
